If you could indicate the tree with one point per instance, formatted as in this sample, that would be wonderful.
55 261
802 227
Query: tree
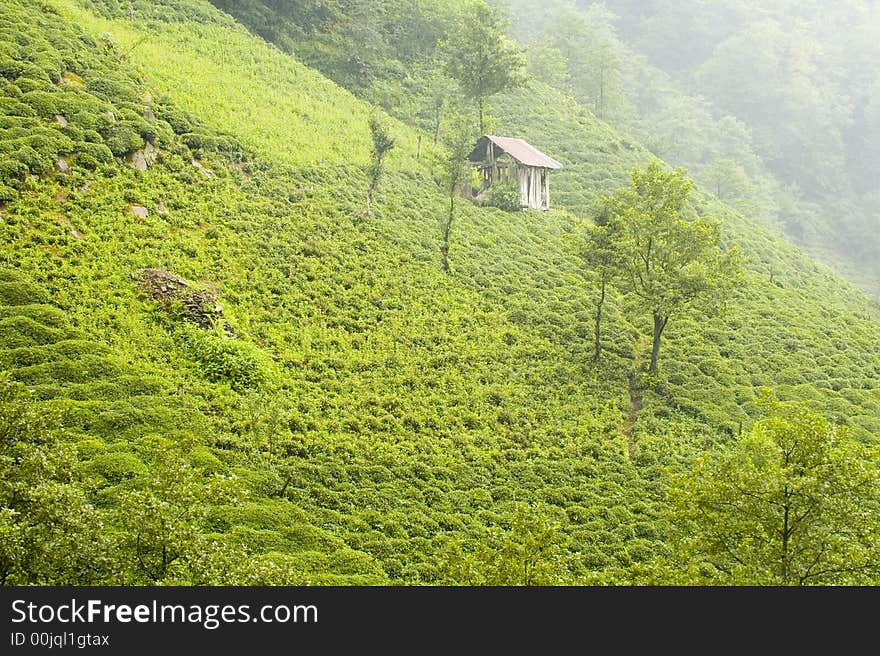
527 551
587 41
794 502
162 517
730 183
548 65
599 253
481 58
382 144
452 173
49 533
669 263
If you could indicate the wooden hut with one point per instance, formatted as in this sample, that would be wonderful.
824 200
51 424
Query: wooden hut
508 158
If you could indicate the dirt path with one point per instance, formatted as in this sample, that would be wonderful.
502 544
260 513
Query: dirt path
635 406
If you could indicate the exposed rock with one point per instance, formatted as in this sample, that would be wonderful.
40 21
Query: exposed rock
161 209
63 220
202 169
138 161
177 296
139 211
62 165
145 158
60 120
148 114
69 77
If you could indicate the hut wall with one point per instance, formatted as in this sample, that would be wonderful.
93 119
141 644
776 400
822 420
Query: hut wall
533 182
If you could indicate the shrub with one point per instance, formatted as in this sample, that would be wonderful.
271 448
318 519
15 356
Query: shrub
116 467
180 121
42 102
505 196
224 359
122 139
21 293
7 194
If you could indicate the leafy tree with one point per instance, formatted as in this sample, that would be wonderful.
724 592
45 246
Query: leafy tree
382 144
162 517
549 65
481 58
794 502
588 42
435 92
668 262
600 255
528 552
49 533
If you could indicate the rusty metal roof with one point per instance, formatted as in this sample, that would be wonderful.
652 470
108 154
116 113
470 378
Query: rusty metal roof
523 152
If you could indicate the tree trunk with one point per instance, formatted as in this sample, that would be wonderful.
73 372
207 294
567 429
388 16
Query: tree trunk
659 324
437 109
785 537
285 486
480 108
444 249
597 346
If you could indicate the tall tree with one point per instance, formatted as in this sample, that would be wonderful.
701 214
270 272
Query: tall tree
589 43
794 502
453 172
669 263
382 144
481 58
600 255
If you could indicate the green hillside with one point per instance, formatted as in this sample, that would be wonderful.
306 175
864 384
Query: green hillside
252 381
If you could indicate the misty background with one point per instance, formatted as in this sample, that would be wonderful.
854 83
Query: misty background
772 106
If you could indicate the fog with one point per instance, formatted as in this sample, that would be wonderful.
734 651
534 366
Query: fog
774 106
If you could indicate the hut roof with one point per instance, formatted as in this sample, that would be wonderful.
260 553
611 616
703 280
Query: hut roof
519 150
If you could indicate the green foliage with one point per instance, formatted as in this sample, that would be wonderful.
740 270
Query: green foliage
668 262
480 57
374 412
223 358
526 550
452 174
51 533
505 196
794 502
21 293
601 255
161 515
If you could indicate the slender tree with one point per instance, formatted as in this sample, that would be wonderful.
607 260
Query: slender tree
481 58
453 173
382 144
669 263
600 255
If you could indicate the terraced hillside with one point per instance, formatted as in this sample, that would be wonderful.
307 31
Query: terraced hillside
260 383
